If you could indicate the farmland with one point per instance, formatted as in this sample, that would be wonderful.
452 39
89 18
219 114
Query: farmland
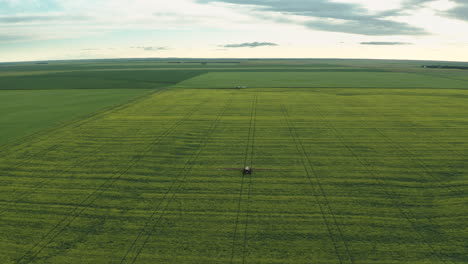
352 164
26 112
35 100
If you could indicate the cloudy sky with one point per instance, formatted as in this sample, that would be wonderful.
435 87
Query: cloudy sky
86 29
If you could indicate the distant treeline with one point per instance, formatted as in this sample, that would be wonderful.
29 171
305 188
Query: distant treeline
445 67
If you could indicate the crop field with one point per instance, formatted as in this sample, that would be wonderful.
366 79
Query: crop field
365 165
25 112
35 100
313 79
141 79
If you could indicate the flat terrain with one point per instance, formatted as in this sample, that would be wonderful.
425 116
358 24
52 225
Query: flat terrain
95 79
32 100
370 169
26 112
331 78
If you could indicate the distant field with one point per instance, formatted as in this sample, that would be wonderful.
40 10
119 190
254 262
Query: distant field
96 80
41 99
340 79
26 112
374 172
151 64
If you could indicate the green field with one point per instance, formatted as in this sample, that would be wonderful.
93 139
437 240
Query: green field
26 112
367 166
96 79
41 99
325 79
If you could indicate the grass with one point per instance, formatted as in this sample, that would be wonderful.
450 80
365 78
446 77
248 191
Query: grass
350 175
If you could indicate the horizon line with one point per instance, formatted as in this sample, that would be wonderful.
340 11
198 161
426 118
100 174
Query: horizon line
220 58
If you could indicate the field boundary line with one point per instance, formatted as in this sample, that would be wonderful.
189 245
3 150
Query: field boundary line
178 184
323 208
30 255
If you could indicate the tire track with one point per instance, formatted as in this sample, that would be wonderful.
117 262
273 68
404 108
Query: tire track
35 188
171 193
30 255
406 153
234 236
334 231
252 152
428 172
249 152
407 214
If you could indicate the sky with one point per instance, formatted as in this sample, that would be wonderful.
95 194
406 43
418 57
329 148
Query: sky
32 30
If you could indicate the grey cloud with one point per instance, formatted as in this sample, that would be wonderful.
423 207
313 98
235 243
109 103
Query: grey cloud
318 8
369 26
460 11
24 19
406 6
416 3
38 18
250 45
384 43
8 38
332 16
150 48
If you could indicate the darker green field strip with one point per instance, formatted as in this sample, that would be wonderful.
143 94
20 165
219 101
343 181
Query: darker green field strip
458 75
122 65
97 80
24 113
201 70
322 80
339 176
